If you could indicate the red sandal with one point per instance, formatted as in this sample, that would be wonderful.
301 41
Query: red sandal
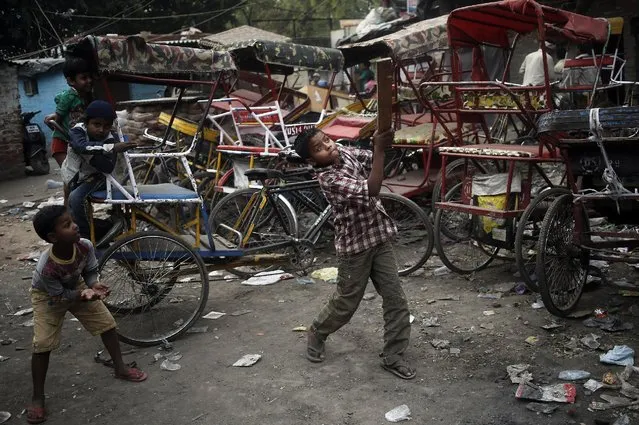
36 414
133 375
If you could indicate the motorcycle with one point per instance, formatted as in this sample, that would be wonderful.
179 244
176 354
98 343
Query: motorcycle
34 146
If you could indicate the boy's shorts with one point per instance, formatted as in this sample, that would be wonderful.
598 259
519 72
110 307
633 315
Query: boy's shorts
58 145
48 319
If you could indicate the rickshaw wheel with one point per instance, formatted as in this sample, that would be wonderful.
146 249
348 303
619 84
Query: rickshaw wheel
528 228
267 229
159 286
455 174
454 242
562 267
414 241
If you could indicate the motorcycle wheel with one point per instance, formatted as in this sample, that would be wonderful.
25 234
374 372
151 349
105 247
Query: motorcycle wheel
40 163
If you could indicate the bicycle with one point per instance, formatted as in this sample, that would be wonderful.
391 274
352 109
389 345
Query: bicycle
264 219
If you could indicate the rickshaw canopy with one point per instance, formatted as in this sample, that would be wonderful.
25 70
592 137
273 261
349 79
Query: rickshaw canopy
490 23
283 57
133 56
412 42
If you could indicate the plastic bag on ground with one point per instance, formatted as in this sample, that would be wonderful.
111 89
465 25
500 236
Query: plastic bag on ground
398 414
621 355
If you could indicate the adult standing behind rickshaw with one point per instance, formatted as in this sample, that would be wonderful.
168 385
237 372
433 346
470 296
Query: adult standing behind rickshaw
533 66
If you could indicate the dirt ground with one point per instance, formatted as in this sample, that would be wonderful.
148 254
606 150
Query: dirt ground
469 388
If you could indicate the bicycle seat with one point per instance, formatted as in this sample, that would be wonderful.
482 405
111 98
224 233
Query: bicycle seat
261 174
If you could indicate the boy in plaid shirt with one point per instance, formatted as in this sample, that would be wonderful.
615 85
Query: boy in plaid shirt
351 180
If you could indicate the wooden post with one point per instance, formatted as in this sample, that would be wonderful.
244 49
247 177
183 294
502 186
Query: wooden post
384 94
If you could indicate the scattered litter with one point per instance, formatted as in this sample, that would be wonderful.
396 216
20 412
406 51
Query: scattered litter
431 301
28 204
612 402
4 358
240 312
4 416
489 296
28 323
573 375
440 344
599 264
454 351
488 313
3 201
304 281
622 420
23 312
170 366
213 315
230 277
623 283
14 211
431 322
198 330
521 288
537 305
591 341
300 329
369 296
621 355
53 184
265 278
31 256
519 373
627 293
186 279
561 393
532 340
592 385
216 273
441 271
487 326
546 409
449 298
610 378
8 341
178 323
176 300
608 323
247 360
411 318
174 357
157 357
328 274
398 414
552 326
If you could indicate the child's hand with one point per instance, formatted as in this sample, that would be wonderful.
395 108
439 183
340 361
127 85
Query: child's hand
383 140
121 147
88 295
102 290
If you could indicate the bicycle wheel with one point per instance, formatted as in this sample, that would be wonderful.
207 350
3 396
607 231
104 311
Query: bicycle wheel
455 174
159 286
562 267
528 228
414 242
454 241
239 211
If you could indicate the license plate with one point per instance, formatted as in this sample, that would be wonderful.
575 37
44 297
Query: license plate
33 128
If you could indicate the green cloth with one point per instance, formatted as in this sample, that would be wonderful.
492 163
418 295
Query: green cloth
364 77
70 108
380 265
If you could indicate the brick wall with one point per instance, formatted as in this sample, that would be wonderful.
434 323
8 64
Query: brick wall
11 159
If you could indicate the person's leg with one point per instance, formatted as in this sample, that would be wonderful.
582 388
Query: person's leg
96 318
352 278
47 325
77 204
396 315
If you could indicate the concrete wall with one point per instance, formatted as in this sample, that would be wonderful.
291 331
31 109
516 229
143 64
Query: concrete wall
49 85
11 159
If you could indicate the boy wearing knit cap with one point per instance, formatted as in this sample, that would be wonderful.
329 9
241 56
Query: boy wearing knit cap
93 152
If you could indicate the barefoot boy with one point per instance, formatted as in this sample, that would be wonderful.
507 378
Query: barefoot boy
66 279
351 180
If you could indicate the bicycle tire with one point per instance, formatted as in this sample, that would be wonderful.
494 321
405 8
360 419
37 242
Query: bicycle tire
412 223
139 313
532 213
228 212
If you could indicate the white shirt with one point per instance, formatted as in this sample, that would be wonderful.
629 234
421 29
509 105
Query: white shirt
533 68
